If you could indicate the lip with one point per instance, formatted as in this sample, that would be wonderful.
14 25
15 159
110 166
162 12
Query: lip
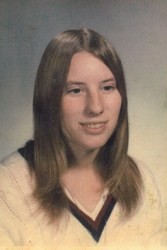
96 127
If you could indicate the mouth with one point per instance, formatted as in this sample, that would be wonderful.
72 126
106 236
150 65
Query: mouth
93 125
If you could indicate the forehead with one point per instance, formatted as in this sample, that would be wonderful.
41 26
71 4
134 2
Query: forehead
85 65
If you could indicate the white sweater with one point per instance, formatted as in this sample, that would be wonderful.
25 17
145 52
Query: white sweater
23 224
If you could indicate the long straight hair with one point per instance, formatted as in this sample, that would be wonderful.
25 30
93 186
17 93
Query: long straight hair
51 151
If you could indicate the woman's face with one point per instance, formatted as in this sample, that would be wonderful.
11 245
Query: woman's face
90 103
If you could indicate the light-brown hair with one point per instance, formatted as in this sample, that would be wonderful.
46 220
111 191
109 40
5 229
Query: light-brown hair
51 153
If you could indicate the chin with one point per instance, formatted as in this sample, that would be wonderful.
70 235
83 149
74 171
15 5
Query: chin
94 146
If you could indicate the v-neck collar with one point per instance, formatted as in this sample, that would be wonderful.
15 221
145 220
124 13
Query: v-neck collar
94 213
95 227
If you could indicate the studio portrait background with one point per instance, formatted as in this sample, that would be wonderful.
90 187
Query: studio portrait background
138 31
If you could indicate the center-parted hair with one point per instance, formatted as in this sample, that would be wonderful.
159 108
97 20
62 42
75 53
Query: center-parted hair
52 154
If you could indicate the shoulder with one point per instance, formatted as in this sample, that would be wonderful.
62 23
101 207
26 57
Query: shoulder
16 185
11 159
150 188
14 161
16 200
151 211
14 172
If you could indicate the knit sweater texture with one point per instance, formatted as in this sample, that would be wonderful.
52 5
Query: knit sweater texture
23 224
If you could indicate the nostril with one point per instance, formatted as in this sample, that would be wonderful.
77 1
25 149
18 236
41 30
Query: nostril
94 105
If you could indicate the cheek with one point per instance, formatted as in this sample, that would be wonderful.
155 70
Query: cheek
71 108
118 104
66 106
70 115
114 104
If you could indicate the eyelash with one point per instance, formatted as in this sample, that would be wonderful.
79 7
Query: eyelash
77 91
74 91
108 87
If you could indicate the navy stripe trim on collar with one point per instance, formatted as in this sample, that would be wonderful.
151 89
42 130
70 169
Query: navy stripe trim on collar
95 228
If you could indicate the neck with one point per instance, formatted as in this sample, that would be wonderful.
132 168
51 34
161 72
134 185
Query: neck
84 158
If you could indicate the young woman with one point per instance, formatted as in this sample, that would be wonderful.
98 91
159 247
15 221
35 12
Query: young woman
74 184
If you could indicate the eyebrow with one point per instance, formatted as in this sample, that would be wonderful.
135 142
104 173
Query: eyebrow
109 80
83 83
75 83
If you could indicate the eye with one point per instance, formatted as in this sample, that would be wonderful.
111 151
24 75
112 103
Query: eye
108 88
74 91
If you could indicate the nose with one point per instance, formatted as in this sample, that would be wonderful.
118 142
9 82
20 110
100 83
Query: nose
94 104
